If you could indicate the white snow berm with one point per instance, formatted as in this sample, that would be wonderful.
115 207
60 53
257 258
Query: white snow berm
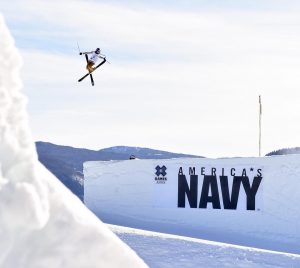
261 209
42 224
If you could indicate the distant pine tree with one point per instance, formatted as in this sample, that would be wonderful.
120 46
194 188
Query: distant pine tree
295 150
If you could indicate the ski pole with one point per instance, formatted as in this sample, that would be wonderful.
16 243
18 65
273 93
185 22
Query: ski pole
78 48
105 58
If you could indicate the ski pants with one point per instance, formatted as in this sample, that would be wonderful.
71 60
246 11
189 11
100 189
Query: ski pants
90 65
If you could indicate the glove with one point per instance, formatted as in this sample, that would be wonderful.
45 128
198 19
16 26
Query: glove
80 53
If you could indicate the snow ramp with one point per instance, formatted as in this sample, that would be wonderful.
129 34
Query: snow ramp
245 201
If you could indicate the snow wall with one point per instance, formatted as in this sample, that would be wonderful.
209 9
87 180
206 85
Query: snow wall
42 224
245 201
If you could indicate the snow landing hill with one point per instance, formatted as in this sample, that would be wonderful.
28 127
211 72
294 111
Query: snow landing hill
161 250
244 201
42 224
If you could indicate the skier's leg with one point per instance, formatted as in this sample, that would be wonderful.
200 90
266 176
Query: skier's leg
89 66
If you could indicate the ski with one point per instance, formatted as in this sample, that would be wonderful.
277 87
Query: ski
92 79
104 60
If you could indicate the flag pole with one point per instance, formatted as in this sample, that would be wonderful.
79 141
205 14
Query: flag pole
259 134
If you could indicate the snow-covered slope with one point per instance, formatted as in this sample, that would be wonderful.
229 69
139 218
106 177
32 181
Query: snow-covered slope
41 223
158 195
172 251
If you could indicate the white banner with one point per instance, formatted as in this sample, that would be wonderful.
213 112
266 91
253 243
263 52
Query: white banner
208 187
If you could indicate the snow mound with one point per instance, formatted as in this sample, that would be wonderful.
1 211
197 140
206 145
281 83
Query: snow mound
244 201
41 223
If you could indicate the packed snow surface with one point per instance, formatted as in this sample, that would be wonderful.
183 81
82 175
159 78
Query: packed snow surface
42 224
147 194
171 251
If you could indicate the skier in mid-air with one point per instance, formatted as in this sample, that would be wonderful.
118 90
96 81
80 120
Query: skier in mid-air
93 58
91 61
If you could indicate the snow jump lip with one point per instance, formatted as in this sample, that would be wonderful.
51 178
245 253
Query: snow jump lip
201 198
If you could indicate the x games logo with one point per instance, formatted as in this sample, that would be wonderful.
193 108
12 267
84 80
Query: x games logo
161 171
160 174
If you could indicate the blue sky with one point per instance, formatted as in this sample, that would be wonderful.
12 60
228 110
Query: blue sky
184 75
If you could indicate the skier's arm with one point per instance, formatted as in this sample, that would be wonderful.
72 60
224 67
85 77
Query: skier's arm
102 56
84 53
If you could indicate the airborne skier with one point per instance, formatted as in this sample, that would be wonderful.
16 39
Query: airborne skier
91 62
93 58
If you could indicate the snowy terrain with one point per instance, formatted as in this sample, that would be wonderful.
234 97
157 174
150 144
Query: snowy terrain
169 251
128 193
41 223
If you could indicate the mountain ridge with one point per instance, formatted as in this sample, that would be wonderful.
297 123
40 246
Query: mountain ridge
66 162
